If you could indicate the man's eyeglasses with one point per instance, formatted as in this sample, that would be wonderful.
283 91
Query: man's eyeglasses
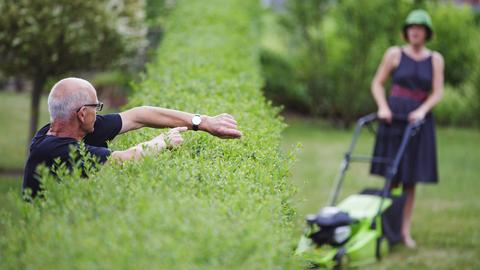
98 106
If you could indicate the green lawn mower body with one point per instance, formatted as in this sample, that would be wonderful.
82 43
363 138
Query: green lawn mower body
350 233
365 241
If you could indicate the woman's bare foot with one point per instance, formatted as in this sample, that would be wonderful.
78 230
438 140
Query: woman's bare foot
409 242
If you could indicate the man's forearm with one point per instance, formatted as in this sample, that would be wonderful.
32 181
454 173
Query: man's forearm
140 150
222 125
131 153
156 117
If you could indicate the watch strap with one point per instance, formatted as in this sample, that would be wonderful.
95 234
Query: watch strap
195 127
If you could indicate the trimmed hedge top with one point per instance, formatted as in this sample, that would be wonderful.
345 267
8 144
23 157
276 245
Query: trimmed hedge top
211 204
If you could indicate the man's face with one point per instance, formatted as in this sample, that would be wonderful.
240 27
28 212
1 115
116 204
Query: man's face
89 114
92 116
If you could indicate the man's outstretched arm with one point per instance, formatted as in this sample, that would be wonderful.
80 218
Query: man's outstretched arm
223 125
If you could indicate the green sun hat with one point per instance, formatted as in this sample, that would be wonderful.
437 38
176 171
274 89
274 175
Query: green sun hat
419 17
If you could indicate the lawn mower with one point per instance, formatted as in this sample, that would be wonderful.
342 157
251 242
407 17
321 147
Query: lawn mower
358 230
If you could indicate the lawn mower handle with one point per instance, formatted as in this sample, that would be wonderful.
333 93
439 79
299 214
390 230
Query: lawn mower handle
361 122
396 117
410 130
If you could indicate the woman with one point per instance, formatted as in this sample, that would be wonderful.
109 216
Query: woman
417 86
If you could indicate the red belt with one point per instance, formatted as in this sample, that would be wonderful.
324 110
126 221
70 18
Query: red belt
400 91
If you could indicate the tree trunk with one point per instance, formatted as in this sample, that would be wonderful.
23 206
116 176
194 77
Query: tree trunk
38 83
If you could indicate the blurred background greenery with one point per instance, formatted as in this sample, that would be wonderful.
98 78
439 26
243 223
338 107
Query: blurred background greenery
106 41
319 56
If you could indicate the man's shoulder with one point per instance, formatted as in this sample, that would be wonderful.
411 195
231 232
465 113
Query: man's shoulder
108 121
106 128
107 117
51 146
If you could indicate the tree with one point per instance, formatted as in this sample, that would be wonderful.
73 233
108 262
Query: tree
43 39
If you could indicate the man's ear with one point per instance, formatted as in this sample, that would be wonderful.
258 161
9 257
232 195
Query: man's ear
81 115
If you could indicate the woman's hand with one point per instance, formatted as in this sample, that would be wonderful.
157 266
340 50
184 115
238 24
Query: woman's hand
417 115
385 114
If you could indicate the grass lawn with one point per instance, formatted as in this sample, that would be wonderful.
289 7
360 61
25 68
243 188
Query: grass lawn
446 222
15 121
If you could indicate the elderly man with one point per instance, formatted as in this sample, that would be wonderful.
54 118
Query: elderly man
73 104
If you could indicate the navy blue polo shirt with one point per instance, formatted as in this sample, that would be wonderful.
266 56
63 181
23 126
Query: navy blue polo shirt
44 149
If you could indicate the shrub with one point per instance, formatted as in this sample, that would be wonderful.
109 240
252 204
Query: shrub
454 26
459 107
456 38
211 204
335 47
280 77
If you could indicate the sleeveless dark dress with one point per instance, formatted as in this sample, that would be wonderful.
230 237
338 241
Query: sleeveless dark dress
411 84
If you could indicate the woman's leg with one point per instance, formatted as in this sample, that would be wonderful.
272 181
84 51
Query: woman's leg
409 189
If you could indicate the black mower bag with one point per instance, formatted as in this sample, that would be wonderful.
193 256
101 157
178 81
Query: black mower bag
392 217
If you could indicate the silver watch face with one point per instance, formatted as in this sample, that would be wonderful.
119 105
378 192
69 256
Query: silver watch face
196 120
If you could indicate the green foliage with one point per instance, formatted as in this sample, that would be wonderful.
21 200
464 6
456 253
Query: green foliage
335 48
456 38
362 32
459 106
49 37
211 204
113 78
278 74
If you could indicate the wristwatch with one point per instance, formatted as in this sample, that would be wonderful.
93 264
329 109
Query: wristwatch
196 120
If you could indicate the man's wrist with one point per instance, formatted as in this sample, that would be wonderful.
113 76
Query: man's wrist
205 123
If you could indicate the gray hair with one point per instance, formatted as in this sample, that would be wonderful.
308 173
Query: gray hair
62 106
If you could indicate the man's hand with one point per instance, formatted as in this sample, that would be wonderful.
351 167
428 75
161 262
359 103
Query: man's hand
223 126
169 140
173 137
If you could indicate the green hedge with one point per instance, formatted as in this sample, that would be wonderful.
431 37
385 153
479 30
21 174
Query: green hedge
211 204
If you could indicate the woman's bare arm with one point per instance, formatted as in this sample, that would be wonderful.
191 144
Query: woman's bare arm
389 62
437 89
